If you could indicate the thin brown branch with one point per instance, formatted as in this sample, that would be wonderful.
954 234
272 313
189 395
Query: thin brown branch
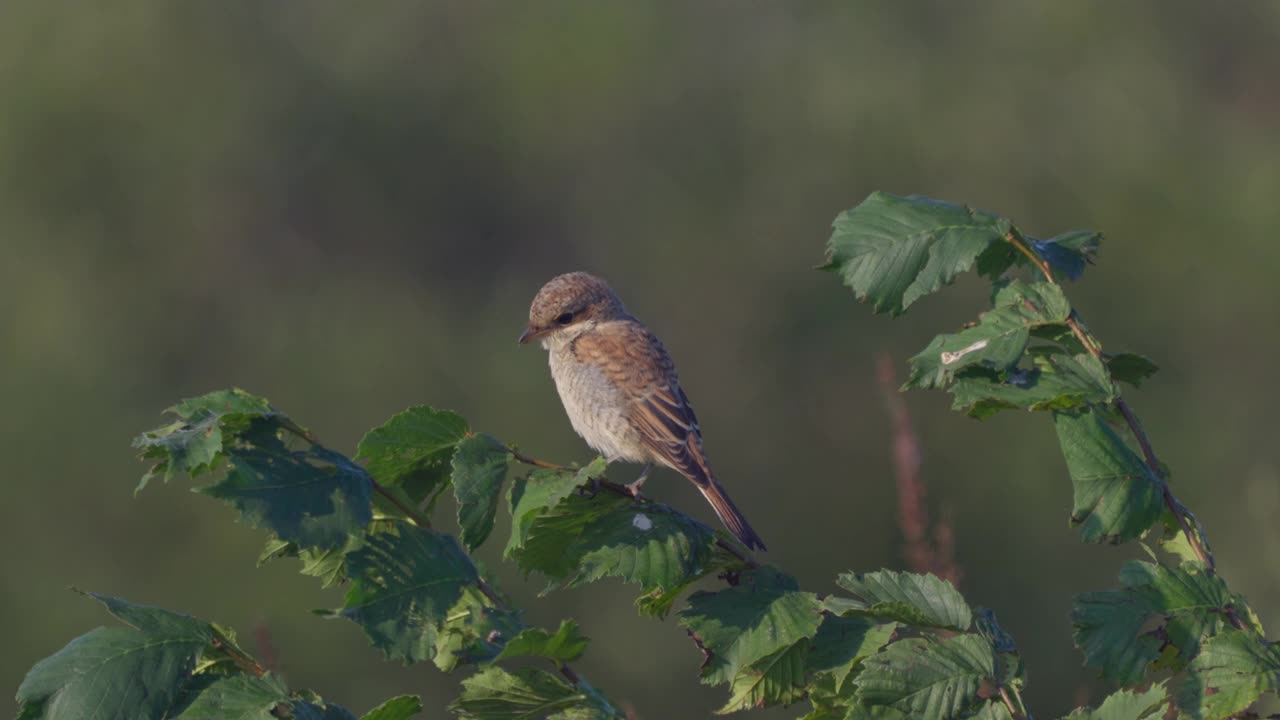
568 672
1008 702
534 461
242 661
1195 537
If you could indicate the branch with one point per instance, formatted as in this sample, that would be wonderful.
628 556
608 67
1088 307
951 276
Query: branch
1195 538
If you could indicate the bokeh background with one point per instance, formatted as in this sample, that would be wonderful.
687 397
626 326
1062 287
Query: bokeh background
347 207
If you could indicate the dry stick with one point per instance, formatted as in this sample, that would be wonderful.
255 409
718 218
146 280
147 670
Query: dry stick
1194 538
613 487
1008 702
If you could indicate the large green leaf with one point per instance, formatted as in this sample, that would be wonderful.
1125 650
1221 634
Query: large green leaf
479 466
583 539
930 678
1232 671
909 598
1127 705
193 443
894 250
527 694
314 498
411 451
474 630
999 339
1117 497
237 697
738 626
529 497
1122 632
565 644
124 673
403 586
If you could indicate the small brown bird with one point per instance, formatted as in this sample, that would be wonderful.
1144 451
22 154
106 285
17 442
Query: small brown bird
620 389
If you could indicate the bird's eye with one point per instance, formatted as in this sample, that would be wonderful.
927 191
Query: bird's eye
564 318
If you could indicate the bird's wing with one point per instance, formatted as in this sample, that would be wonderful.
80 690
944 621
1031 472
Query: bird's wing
635 361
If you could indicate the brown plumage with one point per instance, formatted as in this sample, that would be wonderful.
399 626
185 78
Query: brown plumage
620 387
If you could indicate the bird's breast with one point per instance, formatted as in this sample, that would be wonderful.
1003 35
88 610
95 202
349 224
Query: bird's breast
597 408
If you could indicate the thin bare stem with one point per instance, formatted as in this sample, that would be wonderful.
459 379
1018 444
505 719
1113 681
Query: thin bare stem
1195 537
534 461
1014 710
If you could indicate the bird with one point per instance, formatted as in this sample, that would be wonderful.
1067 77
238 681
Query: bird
620 389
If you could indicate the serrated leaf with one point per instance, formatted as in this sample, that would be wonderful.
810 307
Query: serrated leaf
116 672
927 677
411 451
1131 368
843 642
479 466
314 498
525 694
194 442
740 625
1117 497
894 250
1231 672
1056 382
910 598
474 631
1121 631
236 697
585 539
1127 705
543 489
397 708
403 586
999 339
565 644
776 679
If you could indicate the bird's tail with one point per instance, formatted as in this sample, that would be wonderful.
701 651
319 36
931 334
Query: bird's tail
729 514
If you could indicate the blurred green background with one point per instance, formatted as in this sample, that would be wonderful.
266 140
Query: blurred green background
347 208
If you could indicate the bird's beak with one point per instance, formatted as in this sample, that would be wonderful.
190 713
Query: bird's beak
530 333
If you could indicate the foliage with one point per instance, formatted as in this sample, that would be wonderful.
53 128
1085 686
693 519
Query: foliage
892 645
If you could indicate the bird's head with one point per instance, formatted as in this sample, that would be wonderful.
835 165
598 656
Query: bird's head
568 305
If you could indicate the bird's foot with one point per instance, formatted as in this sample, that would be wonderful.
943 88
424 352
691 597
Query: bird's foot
634 486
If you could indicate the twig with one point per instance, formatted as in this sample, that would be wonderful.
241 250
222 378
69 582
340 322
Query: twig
534 461
1195 538
1008 702
244 662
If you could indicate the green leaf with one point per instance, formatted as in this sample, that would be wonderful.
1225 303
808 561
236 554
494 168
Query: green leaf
566 644
927 677
397 708
474 631
1121 632
909 598
1056 382
584 539
479 466
777 678
411 451
117 672
1231 672
194 443
236 697
526 694
314 498
1127 705
1130 368
894 250
403 586
999 339
843 642
1117 497
743 624
543 489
